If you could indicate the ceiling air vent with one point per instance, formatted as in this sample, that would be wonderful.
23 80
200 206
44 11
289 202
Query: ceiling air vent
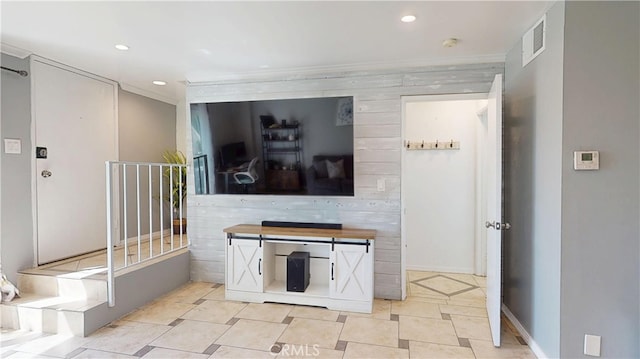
533 41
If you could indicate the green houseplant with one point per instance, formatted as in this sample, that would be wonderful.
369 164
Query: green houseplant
177 179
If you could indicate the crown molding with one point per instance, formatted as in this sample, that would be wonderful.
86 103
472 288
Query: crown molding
14 51
292 73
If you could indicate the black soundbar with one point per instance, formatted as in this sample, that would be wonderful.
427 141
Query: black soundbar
302 225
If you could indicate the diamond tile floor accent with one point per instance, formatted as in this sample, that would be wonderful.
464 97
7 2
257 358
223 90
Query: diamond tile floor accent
445 285
443 317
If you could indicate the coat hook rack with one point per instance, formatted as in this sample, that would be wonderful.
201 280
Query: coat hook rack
435 145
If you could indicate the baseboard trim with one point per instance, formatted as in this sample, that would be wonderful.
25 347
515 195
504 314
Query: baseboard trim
535 348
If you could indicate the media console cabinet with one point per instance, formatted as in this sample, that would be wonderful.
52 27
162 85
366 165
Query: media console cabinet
341 266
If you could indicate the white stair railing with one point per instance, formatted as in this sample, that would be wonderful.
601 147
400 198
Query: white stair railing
166 186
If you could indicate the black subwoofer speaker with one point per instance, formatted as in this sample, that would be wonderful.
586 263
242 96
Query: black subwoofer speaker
298 271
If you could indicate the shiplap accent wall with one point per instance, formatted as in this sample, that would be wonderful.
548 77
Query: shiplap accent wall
377 146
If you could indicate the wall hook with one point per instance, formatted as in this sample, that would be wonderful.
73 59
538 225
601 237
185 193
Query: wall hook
451 145
422 145
408 144
436 143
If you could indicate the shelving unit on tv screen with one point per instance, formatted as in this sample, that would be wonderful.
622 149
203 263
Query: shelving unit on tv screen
281 151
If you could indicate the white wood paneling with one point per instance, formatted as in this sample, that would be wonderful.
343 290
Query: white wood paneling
377 145
379 118
377 131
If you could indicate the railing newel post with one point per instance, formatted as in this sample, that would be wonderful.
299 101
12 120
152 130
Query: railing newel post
110 269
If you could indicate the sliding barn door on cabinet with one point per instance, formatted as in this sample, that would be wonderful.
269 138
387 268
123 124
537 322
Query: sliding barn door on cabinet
351 272
245 267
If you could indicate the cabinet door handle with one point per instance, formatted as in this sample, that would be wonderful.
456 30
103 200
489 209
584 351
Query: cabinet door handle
332 270
259 269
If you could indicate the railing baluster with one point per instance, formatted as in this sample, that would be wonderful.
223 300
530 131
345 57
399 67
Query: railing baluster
171 200
138 209
150 215
161 214
126 231
180 203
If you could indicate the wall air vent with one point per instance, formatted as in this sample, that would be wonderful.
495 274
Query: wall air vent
533 41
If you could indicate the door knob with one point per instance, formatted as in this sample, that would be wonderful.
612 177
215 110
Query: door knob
46 173
497 225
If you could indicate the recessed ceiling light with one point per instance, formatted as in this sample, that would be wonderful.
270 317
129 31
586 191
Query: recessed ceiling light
159 83
122 47
408 18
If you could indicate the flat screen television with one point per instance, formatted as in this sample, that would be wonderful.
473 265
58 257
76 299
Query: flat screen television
300 146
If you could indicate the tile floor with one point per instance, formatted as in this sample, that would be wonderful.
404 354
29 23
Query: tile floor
443 317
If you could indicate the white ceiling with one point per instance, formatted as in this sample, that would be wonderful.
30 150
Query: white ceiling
180 42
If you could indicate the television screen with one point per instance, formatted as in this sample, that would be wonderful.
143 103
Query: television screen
291 147
232 154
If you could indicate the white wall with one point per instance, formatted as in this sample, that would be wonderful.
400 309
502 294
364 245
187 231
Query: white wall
440 186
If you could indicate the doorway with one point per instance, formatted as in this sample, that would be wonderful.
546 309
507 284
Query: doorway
438 188
442 179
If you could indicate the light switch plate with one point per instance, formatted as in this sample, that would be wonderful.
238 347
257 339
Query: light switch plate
12 146
381 184
592 345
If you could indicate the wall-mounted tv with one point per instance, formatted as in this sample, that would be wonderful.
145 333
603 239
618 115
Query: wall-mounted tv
288 147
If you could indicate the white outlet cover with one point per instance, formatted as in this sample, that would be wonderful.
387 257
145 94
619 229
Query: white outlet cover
12 146
381 184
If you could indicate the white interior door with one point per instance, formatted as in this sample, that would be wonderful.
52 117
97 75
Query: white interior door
75 119
494 207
